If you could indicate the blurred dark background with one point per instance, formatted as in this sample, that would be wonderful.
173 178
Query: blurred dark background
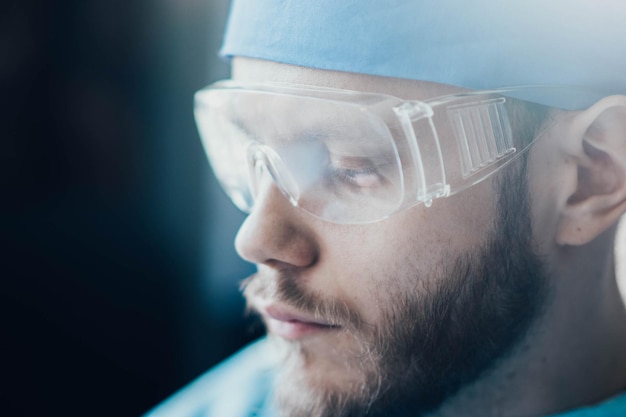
118 286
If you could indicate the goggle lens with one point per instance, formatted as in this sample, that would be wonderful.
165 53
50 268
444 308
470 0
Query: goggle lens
329 158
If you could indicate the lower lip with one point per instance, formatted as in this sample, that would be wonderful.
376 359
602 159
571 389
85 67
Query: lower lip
294 330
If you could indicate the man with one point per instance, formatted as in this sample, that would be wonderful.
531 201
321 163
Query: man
424 247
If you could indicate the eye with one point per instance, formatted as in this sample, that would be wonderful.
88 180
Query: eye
355 172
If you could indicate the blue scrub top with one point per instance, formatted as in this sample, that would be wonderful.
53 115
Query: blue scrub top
241 387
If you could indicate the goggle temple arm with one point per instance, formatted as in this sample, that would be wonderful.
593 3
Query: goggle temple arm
483 133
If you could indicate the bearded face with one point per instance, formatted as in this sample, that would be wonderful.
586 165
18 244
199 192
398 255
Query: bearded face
433 333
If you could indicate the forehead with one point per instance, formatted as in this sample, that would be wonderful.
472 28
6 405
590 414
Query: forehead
257 70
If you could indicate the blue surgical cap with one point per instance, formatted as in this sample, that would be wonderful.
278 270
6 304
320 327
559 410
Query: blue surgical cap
476 44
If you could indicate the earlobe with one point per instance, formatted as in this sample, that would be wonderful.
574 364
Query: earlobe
599 197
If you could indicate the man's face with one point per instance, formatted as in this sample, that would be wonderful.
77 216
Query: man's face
395 315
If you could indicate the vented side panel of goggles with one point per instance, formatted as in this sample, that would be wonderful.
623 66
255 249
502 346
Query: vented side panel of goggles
483 133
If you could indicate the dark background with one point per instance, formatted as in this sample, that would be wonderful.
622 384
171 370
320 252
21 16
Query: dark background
118 286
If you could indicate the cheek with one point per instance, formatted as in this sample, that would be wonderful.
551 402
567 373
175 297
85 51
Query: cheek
406 252
358 265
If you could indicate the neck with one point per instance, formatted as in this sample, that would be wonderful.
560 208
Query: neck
575 355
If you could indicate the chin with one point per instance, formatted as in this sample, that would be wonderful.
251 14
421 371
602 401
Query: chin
325 361
318 378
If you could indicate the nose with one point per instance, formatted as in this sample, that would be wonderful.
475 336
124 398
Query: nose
276 233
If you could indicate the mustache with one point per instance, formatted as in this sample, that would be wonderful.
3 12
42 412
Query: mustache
286 289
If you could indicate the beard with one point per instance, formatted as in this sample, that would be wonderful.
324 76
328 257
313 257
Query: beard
434 338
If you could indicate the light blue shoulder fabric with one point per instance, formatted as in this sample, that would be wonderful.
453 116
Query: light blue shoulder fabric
615 407
238 387
241 387
478 44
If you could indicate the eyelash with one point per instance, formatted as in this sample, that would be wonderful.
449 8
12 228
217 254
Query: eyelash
348 176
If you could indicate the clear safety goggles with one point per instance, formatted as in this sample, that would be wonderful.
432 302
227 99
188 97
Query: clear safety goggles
352 157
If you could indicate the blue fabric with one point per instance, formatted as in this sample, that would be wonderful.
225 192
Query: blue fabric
614 407
241 387
480 44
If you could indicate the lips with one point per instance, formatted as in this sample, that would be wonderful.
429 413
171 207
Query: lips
292 325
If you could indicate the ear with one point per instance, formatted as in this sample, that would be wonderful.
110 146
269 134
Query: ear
598 198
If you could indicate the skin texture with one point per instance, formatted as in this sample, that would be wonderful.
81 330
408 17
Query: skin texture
568 348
